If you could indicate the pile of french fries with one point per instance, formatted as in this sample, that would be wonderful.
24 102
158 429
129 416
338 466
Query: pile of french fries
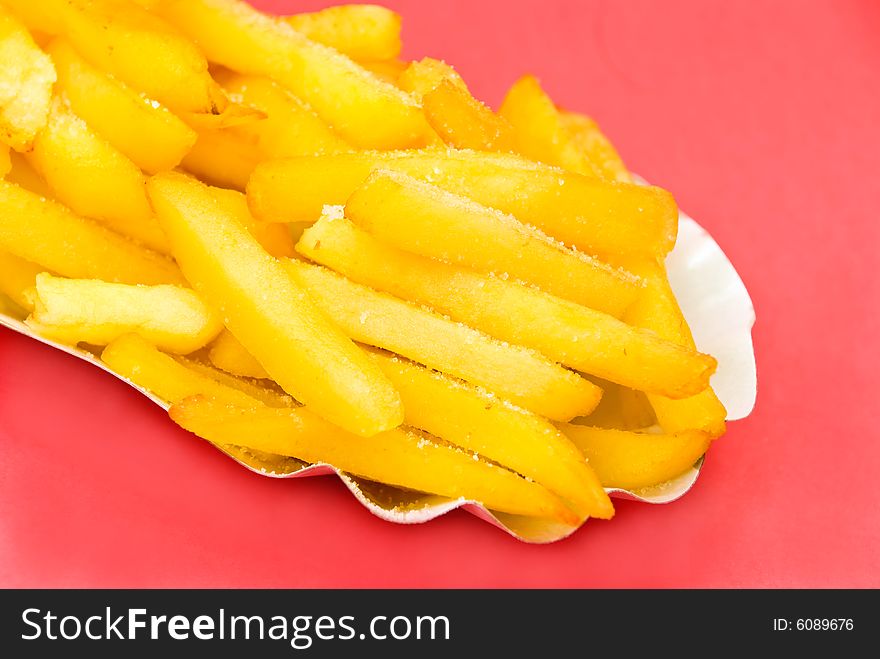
312 248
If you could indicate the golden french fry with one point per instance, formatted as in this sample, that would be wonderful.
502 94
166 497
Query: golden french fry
17 278
22 174
587 138
223 157
363 32
266 309
87 251
5 160
478 421
581 338
275 238
424 75
364 110
388 70
621 408
143 130
291 128
512 372
233 115
26 79
464 122
94 179
229 355
631 460
140 362
595 216
74 311
397 457
424 219
259 391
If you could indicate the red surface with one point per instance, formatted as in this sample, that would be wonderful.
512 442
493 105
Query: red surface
762 119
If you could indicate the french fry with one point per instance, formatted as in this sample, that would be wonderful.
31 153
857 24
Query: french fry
621 408
363 109
5 160
223 158
587 138
363 32
579 337
87 251
388 70
272 316
92 178
22 174
229 355
424 75
478 421
274 238
233 115
424 219
656 309
26 79
397 457
75 311
256 390
512 372
291 127
594 216
140 362
631 460
17 278
145 131
464 122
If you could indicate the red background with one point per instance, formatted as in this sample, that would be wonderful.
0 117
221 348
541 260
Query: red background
762 118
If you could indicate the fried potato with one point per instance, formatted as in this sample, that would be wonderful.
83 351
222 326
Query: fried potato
621 408
17 278
22 174
145 131
87 251
424 75
587 138
594 216
255 389
363 32
26 79
397 457
514 438
269 312
230 356
388 70
424 219
233 115
5 160
512 372
581 338
364 110
140 362
631 460
223 158
75 311
464 122
274 238
92 178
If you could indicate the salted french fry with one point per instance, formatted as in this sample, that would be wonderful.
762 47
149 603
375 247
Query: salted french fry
621 408
656 309
94 179
140 362
256 390
229 355
269 312
145 131
26 79
587 138
5 160
364 110
291 128
223 158
595 216
388 70
21 173
363 32
87 250
478 421
274 238
424 75
17 277
631 460
464 122
579 337
512 372
74 311
421 218
397 457
233 115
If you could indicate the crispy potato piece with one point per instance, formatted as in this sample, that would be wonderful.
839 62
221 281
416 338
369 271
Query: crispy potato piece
397 457
229 355
363 109
424 219
252 388
424 75
140 362
656 309
21 173
72 311
143 130
87 251
26 79
388 70
5 160
275 238
587 138
291 127
631 460
94 179
512 372
266 309
621 408
17 278
363 32
223 158
594 216
576 336
479 421
464 122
